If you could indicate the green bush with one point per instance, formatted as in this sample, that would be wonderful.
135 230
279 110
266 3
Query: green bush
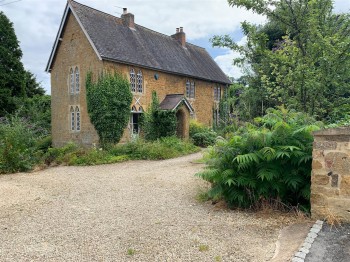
18 138
108 103
201 135
204 139
270 160
163 148
158 123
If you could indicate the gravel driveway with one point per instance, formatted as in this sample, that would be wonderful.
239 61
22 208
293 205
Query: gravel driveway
131 211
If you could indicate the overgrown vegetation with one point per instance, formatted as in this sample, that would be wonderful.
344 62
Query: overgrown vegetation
158 123
268 160
299 58
108 102
20 147
202 135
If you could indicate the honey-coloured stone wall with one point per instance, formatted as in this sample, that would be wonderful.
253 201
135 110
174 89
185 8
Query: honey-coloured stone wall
330 179
75 50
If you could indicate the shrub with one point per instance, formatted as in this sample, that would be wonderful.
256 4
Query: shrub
108 102
201 135
17 144
158 123
163 148
270 160
204 139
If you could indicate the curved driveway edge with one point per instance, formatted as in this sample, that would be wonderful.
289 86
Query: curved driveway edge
131 211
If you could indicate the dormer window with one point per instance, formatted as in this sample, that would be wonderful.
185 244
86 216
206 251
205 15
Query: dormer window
190 89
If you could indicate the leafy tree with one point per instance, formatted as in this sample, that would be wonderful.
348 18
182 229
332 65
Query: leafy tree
108 102
32 87
15 81
11 68
299 58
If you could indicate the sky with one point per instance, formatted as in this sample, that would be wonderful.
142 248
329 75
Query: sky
36 24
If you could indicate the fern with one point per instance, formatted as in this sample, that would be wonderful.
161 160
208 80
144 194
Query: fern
270 159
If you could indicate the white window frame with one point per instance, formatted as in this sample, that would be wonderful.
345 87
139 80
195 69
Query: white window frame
77 80
139 82
74 118
132 80
71 80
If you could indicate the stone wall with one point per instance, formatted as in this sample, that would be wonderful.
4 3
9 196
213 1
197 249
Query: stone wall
75 50
330 180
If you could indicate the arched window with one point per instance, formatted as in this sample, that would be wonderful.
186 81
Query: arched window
77 113
132 80
139 82
133 109
71 81
77 84
140 109
72 119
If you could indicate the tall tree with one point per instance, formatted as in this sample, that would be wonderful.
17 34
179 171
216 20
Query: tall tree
299 58
11 68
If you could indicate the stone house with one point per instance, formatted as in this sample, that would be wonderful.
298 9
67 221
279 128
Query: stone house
184 76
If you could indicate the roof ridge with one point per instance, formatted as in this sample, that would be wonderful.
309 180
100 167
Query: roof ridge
89 7
170 36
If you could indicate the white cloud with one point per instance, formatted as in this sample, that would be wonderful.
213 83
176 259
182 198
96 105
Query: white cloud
225 61
36 23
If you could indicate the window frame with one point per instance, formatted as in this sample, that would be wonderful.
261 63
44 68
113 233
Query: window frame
77 80
74 118
71 81
190 89
139 82
132 77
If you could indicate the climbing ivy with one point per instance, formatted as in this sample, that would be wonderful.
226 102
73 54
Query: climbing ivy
158 123
108 102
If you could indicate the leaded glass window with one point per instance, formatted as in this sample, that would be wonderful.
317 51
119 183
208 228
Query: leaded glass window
77 113
77 83
139 82
71 81
132 80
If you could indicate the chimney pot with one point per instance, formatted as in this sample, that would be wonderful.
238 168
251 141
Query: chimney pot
180 36
128 18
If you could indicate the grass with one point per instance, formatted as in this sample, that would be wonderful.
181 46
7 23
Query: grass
203 248
131 252
164 148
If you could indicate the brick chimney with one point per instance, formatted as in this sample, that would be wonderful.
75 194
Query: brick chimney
180 36
128 18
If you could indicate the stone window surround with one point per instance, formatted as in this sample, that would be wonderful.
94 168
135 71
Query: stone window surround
190 89
73 84
136 81
217 93
74 118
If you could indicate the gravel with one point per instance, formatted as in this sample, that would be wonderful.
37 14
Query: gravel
131 211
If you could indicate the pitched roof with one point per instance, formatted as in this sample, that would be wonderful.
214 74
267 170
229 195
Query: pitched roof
171 102
141 46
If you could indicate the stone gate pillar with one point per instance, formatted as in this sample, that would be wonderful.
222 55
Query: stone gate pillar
330 179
